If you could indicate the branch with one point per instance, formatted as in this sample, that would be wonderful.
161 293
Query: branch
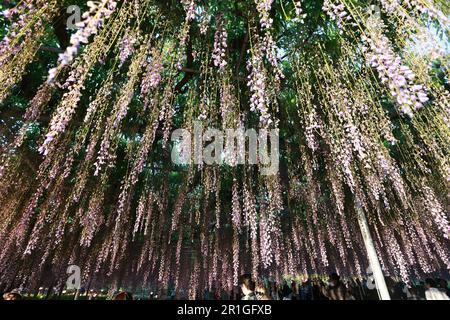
241 55
190 62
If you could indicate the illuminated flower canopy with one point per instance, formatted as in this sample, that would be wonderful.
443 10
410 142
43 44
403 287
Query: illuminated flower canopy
86 178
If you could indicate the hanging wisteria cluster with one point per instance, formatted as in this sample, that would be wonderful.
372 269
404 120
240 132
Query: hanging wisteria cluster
399 78
364 121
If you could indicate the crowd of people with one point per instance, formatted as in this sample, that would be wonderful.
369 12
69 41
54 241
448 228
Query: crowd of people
334 288
337 289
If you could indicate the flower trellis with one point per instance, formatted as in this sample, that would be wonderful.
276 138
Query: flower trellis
363 119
